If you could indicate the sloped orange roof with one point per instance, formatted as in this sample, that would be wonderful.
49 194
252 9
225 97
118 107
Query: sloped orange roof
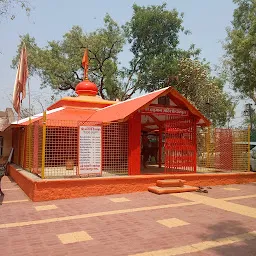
70 116
123 110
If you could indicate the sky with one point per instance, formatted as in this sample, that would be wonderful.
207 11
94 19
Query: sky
49 20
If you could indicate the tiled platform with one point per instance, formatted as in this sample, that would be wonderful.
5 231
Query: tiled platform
220 222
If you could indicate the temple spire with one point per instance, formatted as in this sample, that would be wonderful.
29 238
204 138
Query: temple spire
85 64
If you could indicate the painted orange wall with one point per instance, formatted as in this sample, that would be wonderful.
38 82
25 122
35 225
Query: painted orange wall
26 184
44 190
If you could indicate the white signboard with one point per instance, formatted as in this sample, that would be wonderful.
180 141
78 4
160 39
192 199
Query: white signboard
90 150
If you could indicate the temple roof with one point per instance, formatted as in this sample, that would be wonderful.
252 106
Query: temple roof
117 111
122 110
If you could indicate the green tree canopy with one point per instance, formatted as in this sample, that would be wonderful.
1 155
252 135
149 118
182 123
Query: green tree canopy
153 33
59 63
193 80
240 46
158 61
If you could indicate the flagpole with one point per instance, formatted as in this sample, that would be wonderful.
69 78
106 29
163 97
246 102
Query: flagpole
29 106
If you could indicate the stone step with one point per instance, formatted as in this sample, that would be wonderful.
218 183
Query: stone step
169 190
170 183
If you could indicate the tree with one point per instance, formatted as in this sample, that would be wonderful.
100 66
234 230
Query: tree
26 112
59 63
153 34
6 7
240 47
194 81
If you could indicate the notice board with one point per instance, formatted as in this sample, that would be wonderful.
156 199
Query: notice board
90 149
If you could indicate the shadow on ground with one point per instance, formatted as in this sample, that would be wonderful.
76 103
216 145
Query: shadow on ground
226 229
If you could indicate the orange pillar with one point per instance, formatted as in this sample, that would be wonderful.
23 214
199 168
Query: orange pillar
160 149
134 144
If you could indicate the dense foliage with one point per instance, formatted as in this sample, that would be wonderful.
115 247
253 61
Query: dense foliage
157 61
240 46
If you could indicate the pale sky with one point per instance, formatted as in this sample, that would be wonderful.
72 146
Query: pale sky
50 19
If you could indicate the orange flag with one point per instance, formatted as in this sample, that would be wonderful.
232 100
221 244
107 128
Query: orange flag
21 80
85 63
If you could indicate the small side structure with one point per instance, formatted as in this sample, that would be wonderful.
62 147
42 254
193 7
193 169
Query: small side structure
90 136
6 118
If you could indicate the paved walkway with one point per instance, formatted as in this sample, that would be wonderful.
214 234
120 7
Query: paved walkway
222 222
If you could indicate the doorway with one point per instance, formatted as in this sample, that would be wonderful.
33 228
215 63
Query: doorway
168 144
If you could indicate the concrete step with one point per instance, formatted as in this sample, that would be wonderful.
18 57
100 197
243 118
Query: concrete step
170 183
169 190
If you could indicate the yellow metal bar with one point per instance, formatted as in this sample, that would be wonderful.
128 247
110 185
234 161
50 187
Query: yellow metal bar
43 144
249 154
29 145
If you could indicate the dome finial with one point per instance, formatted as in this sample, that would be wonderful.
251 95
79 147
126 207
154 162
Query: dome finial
86 88
85 64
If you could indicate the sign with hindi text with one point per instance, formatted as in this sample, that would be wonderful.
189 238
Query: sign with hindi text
89 150
165 111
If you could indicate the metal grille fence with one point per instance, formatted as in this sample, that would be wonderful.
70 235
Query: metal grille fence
54 153
22 146
180 145
29 147
222 150
36 149
33 145
49 148
27 144
60 148
115 149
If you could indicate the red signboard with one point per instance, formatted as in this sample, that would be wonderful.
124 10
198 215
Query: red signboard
165 111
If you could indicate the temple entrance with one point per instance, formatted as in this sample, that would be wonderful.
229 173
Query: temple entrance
168 143
180 145
151 160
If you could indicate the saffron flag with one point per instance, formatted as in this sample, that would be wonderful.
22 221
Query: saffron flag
21 80
85 63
